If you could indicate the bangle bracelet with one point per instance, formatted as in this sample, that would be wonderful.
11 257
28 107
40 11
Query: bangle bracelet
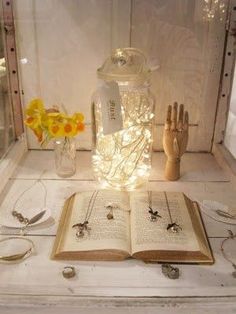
18 256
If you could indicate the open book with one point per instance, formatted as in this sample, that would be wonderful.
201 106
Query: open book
131 233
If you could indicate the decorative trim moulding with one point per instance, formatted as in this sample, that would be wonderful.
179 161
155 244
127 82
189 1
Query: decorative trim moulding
227 75
111 304
12 66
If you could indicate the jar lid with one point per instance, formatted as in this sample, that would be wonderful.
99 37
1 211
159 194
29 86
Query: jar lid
125 64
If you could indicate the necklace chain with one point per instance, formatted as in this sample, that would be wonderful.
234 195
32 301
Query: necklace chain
172 226
168 208
91 205
153 214
29 188
232 237
83 227
150 199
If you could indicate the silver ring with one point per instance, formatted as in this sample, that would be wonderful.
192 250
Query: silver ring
68 272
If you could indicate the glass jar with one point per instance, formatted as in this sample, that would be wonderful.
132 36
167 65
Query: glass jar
122 157
65 156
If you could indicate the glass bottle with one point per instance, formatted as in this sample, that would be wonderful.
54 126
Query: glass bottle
65 156
122 158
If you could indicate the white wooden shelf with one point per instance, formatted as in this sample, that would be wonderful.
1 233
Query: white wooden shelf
36 285
196 167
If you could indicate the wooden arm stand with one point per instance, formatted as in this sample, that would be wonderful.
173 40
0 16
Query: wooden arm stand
172 170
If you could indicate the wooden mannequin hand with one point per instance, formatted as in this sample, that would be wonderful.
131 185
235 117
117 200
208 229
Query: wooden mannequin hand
175 140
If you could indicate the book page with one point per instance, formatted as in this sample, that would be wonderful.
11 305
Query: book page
104 234
152 235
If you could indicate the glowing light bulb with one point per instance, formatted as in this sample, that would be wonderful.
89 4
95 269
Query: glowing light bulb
24 60
122 159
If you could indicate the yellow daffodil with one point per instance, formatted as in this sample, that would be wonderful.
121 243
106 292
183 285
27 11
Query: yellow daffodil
39 134
35 107
33 122
80 127
77 116
51 123
70 128
56 130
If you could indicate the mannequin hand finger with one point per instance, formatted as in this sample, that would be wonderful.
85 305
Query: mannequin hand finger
168 118
186 122
174 116
181 117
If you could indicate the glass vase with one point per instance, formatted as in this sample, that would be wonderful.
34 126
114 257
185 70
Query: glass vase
65 156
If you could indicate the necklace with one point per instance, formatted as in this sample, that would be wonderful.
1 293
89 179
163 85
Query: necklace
153 214
83 226
19 216
172 226
232 237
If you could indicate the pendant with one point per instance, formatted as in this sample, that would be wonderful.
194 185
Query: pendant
110 215
153 215
82 227
174 227
110 207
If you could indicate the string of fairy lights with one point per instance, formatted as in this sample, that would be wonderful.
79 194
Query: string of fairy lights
213 8
122 159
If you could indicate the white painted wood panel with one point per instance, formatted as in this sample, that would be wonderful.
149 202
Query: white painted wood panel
189 50
39 275
202 179
114 305
194 167
115 287
66 41
63 42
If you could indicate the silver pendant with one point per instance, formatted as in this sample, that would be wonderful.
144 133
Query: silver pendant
110 215
154 215
80 234
81 228
174 227
110 206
